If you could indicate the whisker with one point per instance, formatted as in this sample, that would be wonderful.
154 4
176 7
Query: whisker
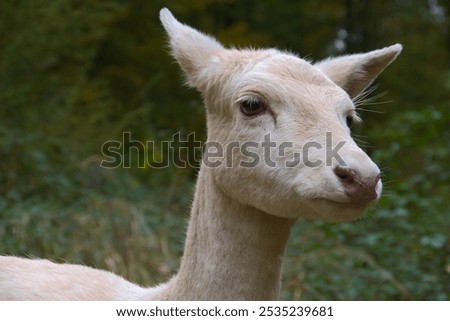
365 98
364 94
369 103
362 143
371 110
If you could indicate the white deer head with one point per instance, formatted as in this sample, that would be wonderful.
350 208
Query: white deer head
281 123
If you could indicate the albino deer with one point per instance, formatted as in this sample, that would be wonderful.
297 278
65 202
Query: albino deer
244 207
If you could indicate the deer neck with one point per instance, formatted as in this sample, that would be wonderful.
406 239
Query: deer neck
232 252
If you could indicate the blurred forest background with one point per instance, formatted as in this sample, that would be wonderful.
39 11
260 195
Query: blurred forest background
75 74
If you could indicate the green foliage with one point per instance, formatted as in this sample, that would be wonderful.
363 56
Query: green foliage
75 74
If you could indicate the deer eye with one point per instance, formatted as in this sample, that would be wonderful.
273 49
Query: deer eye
252 106
350 121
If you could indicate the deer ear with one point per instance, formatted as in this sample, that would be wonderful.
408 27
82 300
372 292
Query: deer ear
354 73
193 50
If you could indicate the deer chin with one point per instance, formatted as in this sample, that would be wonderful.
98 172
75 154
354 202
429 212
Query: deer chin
332 210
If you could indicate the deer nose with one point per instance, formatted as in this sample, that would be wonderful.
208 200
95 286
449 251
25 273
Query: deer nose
359 189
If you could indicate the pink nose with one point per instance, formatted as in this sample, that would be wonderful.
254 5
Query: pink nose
358 189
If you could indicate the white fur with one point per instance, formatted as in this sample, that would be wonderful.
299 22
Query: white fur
241 217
